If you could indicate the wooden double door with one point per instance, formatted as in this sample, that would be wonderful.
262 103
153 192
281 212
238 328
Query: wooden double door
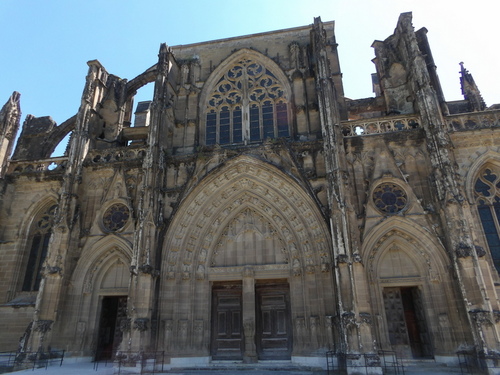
273 330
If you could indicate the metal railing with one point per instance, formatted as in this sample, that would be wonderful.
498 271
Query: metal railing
471 362
14 360
338 363
149 362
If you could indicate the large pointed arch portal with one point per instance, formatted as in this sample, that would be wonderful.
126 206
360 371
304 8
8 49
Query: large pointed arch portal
252 232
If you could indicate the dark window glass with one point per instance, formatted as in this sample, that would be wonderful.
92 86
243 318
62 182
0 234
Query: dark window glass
237 126
268 119
488 200
230 118
489 176
211 128
254 123
39 240
282 120
482 188
491 233
224 127
32 266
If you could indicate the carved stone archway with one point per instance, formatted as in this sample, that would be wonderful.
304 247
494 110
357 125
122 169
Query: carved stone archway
407 272
245 206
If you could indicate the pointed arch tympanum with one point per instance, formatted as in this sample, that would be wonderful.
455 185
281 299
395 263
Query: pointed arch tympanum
246 186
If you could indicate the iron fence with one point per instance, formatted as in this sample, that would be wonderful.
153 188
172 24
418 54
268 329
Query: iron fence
471 362
149 362
15 360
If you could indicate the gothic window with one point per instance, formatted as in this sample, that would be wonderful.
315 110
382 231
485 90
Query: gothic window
115 217
487 196
39 244
389 198
248 104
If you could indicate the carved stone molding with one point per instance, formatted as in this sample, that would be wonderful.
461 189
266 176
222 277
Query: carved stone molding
300 329
125 325
146 269
480 251
356 258
52 270
496 315
200 272
206 226
182 332
481 317
329 326
141 324
296 268
248 271
365 318
43 326
342 258
463 250
349 318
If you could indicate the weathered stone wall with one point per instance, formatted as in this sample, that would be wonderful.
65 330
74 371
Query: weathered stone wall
343 215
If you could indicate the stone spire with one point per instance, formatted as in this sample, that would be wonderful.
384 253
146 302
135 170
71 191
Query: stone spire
470 91
10 116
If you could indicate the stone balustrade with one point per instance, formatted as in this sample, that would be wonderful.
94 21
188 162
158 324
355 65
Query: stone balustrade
115 155
56 165
379 125
473 120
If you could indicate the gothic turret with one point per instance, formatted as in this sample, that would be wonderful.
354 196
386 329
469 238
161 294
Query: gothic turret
470 91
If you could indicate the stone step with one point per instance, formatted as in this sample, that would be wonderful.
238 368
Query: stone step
248 370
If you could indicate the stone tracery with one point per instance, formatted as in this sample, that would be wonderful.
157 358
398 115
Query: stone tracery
247 103
248 185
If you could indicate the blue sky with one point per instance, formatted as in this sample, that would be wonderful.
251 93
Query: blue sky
46 44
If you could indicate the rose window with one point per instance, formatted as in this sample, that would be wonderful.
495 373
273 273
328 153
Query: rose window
116 217
389 198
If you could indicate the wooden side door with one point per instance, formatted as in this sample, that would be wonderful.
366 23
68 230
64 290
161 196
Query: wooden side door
396 323
273 329
227 323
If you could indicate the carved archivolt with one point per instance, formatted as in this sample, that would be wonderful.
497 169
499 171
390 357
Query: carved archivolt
113 257
409 249
247 195
95 261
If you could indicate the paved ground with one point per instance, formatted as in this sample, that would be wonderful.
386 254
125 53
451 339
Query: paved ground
102 369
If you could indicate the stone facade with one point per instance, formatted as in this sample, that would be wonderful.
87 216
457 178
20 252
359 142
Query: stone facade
255 213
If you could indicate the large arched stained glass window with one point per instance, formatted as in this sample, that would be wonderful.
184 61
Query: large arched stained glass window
39 243
247 104
487 194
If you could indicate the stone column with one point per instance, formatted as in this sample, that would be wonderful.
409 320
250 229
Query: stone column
250 351
349 272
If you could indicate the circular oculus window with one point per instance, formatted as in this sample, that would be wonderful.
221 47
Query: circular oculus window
389 198
115 217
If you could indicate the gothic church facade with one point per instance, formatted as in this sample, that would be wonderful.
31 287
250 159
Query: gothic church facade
252 212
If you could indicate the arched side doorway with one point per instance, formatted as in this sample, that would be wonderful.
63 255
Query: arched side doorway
412 295
113 317
246 268
100 293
